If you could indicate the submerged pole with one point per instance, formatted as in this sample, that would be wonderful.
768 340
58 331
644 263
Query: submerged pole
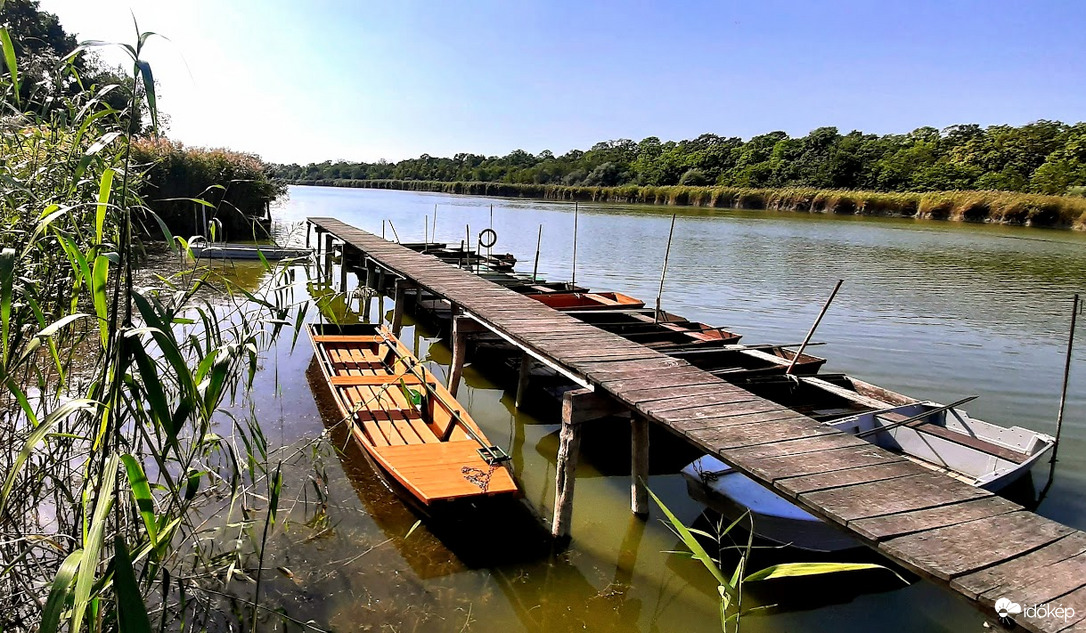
663 273
1066 376
814 327
535 267
573 281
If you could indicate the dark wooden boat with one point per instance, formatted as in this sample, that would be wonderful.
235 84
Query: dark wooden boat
667 331
404 420
740 362
564 301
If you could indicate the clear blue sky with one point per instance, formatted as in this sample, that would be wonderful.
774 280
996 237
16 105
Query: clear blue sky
315 80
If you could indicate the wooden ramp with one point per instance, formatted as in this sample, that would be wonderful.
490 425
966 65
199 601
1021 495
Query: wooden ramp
977 544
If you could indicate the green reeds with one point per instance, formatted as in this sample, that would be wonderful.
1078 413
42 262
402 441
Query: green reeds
1000 207
730 586
96 373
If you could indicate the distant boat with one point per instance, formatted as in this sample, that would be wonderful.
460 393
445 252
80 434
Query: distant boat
588 300
202 249
942 438
411 428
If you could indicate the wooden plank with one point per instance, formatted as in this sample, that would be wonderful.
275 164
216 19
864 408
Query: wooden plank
723 438
378 379
883 527
740 416
948 552
685 419
775 468
747 456
860 501
848 476
1013 576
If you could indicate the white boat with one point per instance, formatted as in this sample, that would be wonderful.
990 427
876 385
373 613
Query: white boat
202 249
939 437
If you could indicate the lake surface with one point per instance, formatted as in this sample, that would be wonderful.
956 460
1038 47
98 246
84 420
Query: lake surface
934 310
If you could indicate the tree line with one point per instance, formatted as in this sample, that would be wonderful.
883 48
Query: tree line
1046 157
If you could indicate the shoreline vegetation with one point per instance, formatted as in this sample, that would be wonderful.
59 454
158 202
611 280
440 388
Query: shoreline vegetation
996 207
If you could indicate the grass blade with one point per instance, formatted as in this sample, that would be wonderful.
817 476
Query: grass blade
92 543
131 612
9 61
105 188
792 570
691 542
141 493
58 594
99 277
7 278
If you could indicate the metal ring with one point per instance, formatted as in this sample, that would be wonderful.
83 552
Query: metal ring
488 238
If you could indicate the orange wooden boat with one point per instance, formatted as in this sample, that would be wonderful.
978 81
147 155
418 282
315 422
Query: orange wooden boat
405 420
587 300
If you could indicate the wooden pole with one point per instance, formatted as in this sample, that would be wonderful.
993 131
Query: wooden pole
382 229
459 353
573 281
425 232
328 257
308 230
810 333
522 380
639 465
380 294
434 232
490 252
538 243
343 268
663 272
566 470
1066 376
467 245
371 279
397 309
394 233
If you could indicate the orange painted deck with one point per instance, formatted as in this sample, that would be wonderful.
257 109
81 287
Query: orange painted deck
425 448
960 537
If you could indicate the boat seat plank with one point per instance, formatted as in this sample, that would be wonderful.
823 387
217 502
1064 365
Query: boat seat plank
969 441
374 379
346 338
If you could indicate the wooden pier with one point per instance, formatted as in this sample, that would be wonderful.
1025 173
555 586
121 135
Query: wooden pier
977 544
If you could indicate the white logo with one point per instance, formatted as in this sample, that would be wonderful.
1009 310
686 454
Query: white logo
1005 608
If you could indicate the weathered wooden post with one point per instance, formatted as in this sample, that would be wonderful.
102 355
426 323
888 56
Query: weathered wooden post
308 230
639 465
462 326
380 293
371 279
526 364
343 267
328 237
578 406
402 286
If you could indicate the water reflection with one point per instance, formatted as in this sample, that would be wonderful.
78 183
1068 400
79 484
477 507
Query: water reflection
933 310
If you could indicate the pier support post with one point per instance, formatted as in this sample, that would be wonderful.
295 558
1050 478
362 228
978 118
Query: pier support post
526 364
371 278
578 406
462 326
639 465
402 286
328 237
343 267
308 230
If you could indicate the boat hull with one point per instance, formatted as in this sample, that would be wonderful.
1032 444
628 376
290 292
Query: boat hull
406 422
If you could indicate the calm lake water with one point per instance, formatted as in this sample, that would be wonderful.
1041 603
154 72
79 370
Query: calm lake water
933 310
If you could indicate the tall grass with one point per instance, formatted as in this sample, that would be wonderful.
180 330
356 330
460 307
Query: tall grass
1000 207
113 421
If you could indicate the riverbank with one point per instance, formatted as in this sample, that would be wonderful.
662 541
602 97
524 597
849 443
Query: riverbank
998 207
